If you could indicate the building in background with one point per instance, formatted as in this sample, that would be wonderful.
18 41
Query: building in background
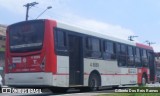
2 49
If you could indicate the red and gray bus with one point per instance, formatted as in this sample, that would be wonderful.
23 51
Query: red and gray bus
54 54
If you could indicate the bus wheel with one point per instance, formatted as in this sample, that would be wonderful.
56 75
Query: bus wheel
94 82
144 80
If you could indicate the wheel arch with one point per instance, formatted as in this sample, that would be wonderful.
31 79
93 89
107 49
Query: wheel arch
95 72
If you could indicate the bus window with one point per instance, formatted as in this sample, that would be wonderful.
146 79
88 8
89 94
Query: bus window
26 37
118 48
130 58
95 44
121 54
144 58
137 58
122 59
88 44
109 52
60 41
123 50
93 47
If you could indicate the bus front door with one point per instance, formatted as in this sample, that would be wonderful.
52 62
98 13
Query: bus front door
152 66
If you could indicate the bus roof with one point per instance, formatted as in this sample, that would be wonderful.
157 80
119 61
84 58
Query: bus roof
96 34
92 33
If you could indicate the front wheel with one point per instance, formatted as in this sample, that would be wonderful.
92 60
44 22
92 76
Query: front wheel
144 81
94 82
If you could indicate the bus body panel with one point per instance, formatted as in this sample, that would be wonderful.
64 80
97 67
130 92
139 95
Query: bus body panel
31 79
128 76
56 69
26 61
111 74
63 70
141 72
51 58
36 79
78 29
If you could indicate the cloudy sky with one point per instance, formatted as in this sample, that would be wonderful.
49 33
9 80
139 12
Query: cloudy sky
118 18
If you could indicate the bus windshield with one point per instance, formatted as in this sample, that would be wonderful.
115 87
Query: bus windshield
26 36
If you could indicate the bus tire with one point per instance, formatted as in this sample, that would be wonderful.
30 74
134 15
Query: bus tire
143 80
94 82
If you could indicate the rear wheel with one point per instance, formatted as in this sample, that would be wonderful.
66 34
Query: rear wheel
94 82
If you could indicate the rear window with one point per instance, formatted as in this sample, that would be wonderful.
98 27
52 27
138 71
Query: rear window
26 36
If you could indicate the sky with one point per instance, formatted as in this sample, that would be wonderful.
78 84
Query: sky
118 18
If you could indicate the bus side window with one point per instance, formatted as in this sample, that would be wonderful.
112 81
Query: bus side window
88 43
123 54
93 47
109 50
130 59
60 40
138 58
118 49
144 58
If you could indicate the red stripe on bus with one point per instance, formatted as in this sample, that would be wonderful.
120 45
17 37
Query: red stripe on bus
144 46
89 74
61 74
118 74
111 74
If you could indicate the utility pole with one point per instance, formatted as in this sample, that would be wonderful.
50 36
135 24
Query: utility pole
29 5
149 43
131 38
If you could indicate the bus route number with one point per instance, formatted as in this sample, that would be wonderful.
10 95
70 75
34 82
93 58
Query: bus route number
94 64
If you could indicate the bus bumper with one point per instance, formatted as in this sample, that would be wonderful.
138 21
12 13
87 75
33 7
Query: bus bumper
29 79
